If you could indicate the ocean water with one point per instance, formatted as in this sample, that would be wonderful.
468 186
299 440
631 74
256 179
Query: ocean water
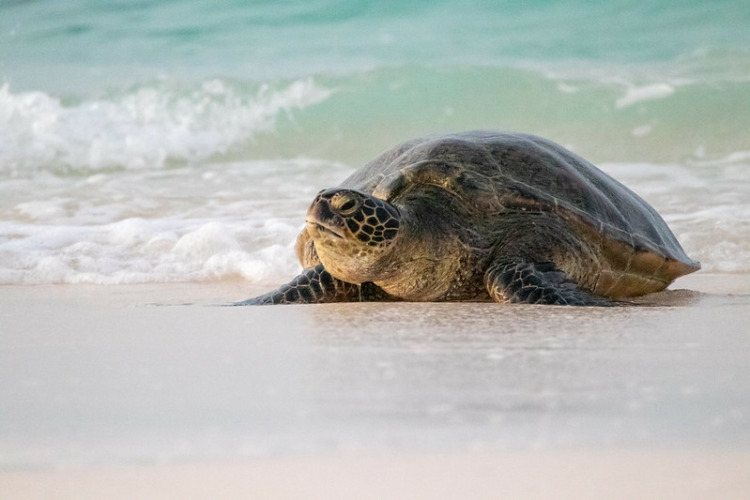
162 141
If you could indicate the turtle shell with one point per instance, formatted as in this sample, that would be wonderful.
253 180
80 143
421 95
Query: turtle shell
500 172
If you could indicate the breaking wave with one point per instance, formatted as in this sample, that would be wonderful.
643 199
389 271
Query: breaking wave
147 127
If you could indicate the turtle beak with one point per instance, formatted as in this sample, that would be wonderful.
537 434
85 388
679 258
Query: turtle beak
322 221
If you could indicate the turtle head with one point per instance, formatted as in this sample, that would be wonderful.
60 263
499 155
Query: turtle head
353 233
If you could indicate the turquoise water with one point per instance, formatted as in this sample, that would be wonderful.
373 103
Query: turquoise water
262 41
174 140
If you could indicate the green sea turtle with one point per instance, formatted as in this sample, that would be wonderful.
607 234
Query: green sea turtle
480 216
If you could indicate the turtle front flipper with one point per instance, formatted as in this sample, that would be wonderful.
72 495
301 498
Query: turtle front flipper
537 283
316 285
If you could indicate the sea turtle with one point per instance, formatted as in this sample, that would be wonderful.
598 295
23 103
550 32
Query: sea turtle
480 216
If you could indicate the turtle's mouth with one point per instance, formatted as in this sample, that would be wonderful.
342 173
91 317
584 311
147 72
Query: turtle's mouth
323 229
323 222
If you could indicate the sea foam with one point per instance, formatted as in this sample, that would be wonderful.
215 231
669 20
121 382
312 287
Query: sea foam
142 128
140 251
192 223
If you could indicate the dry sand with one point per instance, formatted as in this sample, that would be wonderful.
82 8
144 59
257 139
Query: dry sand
151 391
509 475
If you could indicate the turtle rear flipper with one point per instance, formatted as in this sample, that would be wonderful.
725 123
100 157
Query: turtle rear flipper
316 285
537 283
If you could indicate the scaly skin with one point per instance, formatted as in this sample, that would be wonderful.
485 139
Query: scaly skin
316 285
537 283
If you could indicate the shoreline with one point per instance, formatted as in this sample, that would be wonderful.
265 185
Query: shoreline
227 291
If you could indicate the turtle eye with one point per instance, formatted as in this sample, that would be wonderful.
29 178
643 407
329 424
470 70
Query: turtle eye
344 204
348 206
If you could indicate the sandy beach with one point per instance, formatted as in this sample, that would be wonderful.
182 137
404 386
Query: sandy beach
155 391
574 475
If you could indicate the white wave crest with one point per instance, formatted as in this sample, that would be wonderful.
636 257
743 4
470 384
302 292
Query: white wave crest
636 94
142 129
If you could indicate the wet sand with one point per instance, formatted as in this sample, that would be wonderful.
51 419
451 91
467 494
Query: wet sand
153 391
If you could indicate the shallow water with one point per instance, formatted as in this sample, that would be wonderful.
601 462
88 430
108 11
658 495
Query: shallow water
165 141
